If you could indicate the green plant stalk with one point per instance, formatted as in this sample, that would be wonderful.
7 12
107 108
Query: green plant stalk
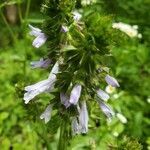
63 140
27 9
20 13
8 26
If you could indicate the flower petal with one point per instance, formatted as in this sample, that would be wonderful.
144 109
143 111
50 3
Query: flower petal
106 110
111 81
102 95
46 115
75 94
34 31
75 126
83 118
41 63
39 40
42 86
64 100
55 68
38 88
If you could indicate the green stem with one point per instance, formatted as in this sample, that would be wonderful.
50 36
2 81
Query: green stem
20 13
63 139
8 26
27 9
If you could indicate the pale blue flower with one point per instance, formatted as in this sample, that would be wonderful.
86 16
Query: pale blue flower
75 94
106 110
46 115
42 63
42 86
83 118
111 81
65 100
75 126
40 36
102 95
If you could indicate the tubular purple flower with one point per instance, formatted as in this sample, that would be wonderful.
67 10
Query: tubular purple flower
41 63
46 115
75 126
111 81
83 118
75 94
102 95
40 36
42 86
64 100
106 110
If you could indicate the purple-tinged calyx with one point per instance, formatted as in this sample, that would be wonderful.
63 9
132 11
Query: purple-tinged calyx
75 94
42 63
111 81
40 36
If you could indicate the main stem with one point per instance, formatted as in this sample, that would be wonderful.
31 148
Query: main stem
63 139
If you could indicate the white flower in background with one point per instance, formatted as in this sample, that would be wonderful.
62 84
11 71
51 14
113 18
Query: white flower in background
106 110
131 31
42 86
109 89
83 118
40 36
77 16
75 94
116 134
148 99
64 29
102 95
42 63
87 2
111 81
75 126
46 115
65 100
122 118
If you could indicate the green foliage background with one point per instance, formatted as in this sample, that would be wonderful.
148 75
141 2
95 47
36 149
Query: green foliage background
20 126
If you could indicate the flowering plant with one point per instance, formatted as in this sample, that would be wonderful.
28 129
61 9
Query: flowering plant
79 45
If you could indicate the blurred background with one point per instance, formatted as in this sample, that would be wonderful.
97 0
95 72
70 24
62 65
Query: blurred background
20 126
